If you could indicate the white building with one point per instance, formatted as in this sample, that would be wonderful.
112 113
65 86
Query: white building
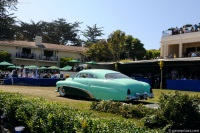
40 54
181 44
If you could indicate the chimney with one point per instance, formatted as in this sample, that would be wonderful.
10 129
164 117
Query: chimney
38 38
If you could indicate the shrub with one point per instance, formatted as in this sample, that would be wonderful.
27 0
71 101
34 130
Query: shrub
10 105
176 111
123 109
39 115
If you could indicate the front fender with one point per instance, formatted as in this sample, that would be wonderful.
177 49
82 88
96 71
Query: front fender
74 88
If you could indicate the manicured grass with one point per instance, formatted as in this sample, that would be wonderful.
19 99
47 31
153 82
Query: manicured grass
158 92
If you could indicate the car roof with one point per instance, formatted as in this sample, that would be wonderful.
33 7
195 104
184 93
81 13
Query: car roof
98 72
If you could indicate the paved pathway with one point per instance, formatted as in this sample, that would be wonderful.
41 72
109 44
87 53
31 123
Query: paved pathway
154 105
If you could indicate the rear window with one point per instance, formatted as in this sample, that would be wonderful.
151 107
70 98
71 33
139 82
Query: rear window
115 76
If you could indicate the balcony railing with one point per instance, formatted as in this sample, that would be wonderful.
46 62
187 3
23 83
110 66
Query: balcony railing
48 58
179 31
25 56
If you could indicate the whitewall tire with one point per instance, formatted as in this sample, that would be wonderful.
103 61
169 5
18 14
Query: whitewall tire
62 91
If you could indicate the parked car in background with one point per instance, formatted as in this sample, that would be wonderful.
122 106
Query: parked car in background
102 84
80 67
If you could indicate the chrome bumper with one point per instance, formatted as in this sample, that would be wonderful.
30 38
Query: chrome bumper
139 96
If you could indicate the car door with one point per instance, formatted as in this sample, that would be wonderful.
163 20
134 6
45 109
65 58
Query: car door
101 88
81 81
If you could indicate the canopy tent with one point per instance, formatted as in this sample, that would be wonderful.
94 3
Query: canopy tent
91 62
42 67
74 61
53 67
188 25
171 28
18 67
31 67
66 68
4 63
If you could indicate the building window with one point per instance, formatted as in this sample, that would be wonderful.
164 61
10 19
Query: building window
198 49
48 53
189 50
26 50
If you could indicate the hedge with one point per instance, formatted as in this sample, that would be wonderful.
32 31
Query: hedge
39 115
123 109
176 111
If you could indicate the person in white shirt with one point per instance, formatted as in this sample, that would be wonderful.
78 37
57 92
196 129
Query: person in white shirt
194 55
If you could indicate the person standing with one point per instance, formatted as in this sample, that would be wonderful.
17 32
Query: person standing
184 29
195 27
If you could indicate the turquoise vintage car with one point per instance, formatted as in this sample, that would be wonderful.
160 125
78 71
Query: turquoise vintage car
101 84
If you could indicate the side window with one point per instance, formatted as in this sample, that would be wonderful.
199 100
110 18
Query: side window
92 76
86 75
82 75
108 76
78 76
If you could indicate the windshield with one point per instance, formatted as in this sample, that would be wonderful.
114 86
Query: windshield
115 76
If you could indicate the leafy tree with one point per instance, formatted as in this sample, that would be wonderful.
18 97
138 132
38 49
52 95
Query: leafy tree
91 53
28 31
138 49
105 51
99 51
119 46
129 47
92 33
64 61
134 49
5 56
152 54
7 20
61 32
56 32
116 41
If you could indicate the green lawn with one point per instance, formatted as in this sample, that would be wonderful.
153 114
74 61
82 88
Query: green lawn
158 92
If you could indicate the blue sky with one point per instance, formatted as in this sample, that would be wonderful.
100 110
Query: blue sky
143 19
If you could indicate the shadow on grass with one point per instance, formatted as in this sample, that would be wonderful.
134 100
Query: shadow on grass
74 97
142 102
